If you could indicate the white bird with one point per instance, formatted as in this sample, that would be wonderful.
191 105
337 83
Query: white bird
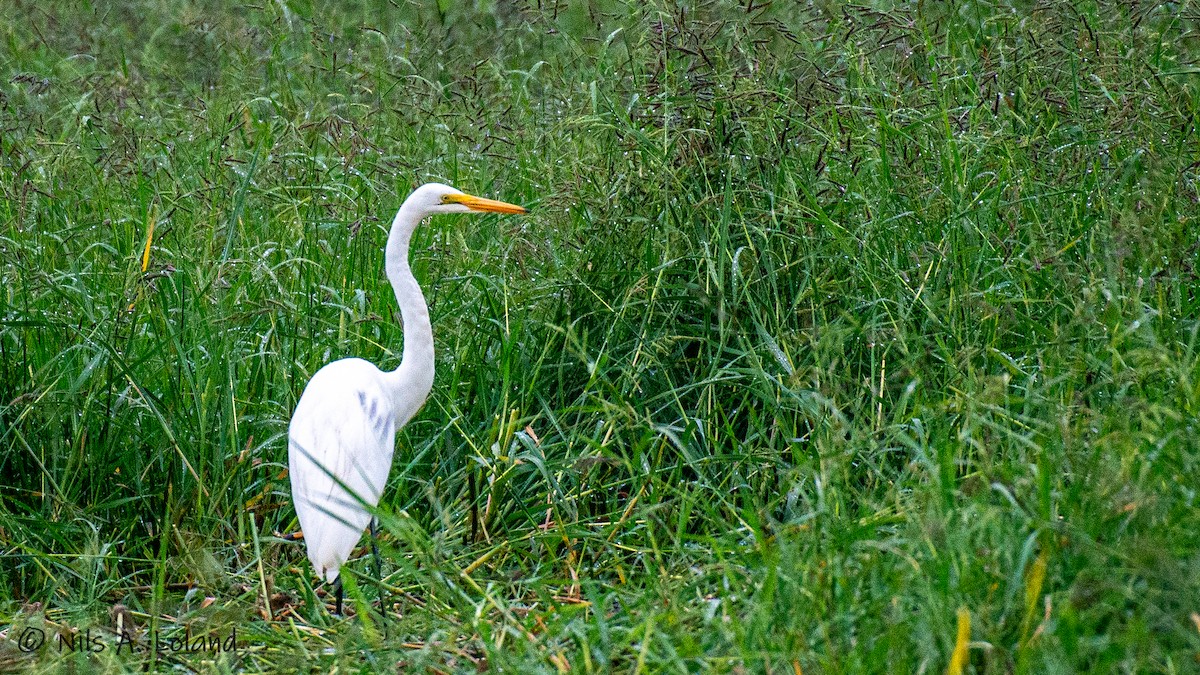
343 431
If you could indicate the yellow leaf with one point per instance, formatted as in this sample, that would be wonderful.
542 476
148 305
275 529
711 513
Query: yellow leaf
962 643
1033 590
149 240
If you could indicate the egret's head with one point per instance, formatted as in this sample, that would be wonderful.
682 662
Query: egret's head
437 198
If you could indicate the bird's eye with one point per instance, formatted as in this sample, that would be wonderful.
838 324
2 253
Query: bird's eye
445 199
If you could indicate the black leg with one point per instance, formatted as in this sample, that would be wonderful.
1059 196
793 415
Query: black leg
338 590
378 570
375 548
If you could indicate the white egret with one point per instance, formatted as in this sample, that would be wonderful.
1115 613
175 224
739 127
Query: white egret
343 431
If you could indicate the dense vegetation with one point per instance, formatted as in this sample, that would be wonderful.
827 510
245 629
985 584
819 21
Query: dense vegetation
831 328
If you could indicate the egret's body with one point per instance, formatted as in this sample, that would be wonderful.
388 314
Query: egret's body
343 431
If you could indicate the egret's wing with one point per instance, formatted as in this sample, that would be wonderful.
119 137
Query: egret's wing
340 446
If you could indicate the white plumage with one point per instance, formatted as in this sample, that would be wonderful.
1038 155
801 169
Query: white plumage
343 431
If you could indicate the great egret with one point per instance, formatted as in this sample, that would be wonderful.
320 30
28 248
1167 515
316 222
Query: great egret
343 431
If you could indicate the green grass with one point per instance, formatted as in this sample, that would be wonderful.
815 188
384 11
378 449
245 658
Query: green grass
827 321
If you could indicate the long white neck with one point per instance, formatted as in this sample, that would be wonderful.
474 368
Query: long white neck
413 379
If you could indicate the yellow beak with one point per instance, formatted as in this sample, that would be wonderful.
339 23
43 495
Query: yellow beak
481 204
